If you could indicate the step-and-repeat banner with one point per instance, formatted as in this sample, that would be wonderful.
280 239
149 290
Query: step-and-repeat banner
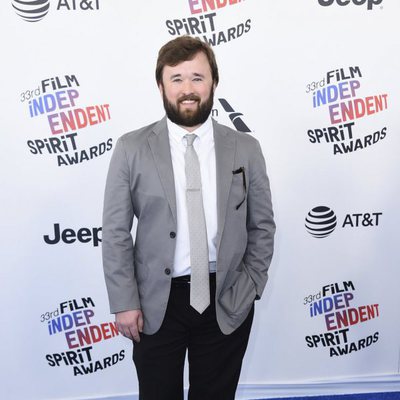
316 82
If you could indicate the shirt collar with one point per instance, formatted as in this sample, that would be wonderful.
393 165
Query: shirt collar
204 131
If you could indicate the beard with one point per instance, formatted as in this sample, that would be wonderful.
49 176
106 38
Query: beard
188 117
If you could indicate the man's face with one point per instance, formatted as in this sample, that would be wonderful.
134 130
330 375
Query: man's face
188 90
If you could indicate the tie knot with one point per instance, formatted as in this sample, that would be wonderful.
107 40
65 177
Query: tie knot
190 139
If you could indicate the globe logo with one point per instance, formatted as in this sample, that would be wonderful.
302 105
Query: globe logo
320 222
31 10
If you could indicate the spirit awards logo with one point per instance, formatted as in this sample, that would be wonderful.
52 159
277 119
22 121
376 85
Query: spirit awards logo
36 10
74 321
321 221
338 95
336 307
204 22
56 101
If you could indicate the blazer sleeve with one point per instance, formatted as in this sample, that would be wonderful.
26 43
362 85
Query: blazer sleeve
117 242
260 222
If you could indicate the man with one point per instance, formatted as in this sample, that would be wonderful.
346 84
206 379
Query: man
204 237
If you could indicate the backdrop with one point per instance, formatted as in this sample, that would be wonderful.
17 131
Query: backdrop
316 82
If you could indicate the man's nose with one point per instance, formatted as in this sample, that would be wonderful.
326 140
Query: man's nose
187 87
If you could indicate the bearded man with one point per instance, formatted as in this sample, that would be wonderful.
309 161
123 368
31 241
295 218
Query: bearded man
204 238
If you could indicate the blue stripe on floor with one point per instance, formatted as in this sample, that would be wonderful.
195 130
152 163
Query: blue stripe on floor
358 396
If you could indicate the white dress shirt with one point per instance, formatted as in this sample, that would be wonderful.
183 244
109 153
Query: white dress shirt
205 149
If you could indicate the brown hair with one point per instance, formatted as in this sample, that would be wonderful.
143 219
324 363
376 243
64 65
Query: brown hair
184 48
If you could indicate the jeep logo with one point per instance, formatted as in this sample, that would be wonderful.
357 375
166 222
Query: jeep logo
370 3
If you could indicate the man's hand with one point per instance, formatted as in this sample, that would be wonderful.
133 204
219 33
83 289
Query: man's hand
130 324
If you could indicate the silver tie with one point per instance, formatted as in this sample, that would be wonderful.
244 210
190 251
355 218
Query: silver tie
200 278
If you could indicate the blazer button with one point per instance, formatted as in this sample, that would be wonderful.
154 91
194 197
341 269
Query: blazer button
167 271
172 235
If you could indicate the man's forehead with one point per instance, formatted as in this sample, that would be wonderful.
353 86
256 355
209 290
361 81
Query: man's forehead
198 64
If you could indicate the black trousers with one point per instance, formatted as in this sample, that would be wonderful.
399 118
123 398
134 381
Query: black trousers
215 359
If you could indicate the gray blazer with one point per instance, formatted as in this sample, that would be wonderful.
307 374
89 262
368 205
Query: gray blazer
140 184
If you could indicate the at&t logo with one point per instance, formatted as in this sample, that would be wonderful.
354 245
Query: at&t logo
36 10
321 221
31 10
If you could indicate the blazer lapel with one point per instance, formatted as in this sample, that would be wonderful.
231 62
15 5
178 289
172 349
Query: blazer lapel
159 145
225 148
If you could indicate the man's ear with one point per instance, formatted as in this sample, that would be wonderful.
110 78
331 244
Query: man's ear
161 88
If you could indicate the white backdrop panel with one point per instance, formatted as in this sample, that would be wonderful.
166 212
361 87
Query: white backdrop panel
275 50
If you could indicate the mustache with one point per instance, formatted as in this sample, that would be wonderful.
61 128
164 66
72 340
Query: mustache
189 97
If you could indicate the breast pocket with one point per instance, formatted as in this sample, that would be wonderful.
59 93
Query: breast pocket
239 188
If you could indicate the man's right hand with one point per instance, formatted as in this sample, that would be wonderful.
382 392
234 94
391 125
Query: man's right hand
130 323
